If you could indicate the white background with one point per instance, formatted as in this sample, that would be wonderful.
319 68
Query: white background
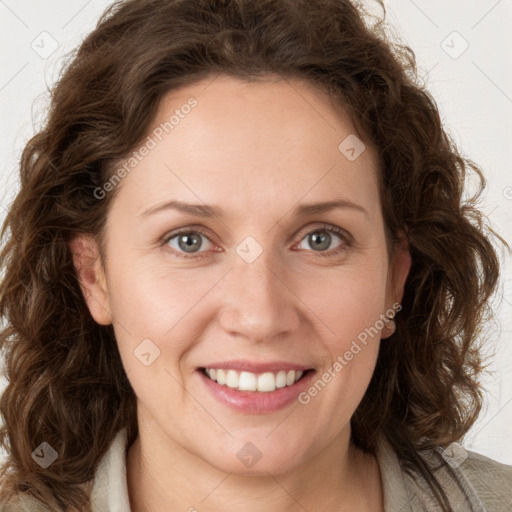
473 89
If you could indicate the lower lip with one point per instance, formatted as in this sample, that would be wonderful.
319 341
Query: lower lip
255 402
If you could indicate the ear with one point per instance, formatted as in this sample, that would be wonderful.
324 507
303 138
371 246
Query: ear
91 275
399 270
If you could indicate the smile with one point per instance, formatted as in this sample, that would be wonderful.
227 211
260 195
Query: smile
253 387
248 381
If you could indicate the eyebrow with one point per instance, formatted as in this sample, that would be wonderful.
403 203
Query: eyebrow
207 211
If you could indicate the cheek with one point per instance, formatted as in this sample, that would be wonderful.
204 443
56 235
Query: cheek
150 298
349 313
152 302
347 301
155 316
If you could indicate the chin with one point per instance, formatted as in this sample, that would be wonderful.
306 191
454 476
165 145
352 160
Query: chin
254 459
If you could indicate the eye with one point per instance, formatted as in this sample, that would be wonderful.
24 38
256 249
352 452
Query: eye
321 239
186 241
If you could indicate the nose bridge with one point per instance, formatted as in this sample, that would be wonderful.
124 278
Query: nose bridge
257 302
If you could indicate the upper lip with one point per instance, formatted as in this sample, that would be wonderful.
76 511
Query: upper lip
256 367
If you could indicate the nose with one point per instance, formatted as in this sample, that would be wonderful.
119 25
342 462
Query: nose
257 300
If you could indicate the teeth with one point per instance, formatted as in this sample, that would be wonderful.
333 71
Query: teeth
248 381
266 382
221 376
281 379
232 379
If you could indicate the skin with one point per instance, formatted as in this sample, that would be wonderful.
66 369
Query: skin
257 150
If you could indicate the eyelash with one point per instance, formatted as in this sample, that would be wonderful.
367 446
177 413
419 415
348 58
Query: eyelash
346 239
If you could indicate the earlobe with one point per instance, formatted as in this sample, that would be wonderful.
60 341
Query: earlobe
91 276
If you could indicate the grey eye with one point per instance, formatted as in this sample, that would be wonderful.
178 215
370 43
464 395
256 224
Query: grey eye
319 240
188 242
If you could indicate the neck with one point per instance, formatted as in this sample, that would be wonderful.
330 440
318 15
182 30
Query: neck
164 476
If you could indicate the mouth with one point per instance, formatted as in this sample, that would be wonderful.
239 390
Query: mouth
255 388
265 382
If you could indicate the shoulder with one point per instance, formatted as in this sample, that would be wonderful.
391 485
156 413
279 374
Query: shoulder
23 503
468 478
109 478
491 479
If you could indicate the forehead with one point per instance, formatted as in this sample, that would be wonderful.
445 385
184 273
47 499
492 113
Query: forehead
251 145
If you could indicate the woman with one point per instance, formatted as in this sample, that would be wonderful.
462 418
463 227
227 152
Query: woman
226 209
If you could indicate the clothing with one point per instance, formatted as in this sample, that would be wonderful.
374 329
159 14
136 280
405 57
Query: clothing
487 482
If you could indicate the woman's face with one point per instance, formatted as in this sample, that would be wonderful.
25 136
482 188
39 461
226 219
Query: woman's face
256 283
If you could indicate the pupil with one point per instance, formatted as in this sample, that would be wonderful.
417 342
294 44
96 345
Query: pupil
320 241
189 242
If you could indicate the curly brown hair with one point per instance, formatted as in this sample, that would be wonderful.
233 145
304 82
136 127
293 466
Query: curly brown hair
66 382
